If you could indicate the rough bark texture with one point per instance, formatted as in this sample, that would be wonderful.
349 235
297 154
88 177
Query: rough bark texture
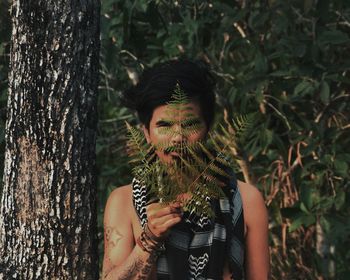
48 215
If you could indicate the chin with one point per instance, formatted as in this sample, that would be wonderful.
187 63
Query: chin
167 158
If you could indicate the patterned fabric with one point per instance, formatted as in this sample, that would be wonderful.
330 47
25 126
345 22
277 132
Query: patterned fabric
198 247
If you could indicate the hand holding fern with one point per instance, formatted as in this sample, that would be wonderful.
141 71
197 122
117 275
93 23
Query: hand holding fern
162 217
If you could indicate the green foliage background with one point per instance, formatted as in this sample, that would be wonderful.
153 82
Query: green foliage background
286 61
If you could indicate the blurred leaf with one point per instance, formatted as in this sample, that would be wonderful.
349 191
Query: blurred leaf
304 88
305 220
326 225
324 92
306 196
341 167
308 4
339 200
304 208
261 64
290 212
333 37
325 204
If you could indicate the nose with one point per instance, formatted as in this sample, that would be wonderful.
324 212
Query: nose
178 136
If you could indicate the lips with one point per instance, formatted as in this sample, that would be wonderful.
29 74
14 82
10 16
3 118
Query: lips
173 150
178 147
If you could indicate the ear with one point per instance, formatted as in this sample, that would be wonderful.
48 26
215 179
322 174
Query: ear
146 133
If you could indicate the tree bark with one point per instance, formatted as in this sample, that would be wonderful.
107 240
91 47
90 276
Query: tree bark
48 210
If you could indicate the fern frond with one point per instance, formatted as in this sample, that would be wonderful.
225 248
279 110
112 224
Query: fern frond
137 146
242 126
199 161
214 190
199 203
217 170
206 151
200 169
215 141
191 167
179 98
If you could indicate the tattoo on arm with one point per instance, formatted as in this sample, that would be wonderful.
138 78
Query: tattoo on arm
139 269
147 267
112 236
106 272
132 270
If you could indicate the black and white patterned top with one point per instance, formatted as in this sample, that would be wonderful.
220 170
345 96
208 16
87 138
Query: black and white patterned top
198 247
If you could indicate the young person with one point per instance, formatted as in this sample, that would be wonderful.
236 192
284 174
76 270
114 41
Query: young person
149 240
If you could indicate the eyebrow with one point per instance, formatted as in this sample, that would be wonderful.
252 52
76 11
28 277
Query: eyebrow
194 120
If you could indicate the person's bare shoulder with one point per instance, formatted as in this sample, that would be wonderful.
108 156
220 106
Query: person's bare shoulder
118 204
120 193
249 192
118 234
254 208
257 264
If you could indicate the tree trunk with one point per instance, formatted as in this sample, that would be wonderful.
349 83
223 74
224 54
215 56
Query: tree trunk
48 215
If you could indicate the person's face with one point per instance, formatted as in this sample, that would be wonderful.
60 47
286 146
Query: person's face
175 127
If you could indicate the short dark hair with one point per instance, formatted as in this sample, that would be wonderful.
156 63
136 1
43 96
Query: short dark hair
157 85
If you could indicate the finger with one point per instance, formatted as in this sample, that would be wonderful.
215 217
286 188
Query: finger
152 200
160 212
158 222
157 205
163 228
176 204
171 222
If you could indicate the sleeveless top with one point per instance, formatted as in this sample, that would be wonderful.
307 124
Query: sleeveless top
197 247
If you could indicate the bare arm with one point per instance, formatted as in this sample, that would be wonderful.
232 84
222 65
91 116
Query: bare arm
138 265
122 259
256 219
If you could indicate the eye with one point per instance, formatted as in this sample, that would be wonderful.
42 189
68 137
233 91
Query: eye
164 124
190 123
